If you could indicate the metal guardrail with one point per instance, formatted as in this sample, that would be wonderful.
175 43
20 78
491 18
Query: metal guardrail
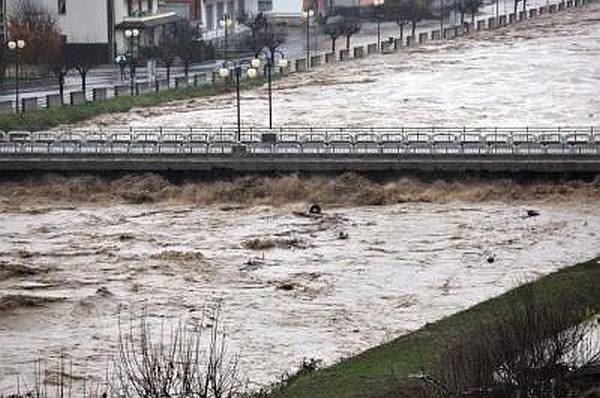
307 141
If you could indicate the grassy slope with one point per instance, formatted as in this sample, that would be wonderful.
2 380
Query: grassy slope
375 372
48 118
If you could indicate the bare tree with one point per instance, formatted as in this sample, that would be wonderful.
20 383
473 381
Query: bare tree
333 28
349 26
256 23
31 22
527 350
60 64
181 364
189 46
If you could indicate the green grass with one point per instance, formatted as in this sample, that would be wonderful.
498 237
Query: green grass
48 118
378 371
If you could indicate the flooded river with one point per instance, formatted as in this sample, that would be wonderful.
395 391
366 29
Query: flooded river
72 260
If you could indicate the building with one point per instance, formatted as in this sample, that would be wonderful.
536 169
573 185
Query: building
208 13
102 23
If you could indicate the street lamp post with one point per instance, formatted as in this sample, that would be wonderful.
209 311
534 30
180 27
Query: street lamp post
379 16
225 23
307 14
131 35
282 63
16 45
251 73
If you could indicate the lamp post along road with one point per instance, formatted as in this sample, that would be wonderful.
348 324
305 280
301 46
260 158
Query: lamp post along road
379 16
225 23
282 63
251 73
16 45
131 35
307 14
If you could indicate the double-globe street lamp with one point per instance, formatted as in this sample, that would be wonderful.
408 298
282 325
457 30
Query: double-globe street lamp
16 45
131 35
225 22
281 63
251 72
307 14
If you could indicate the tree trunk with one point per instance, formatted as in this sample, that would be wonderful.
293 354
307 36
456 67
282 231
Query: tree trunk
348 42
402 31
473 19
414 28
333 40
524 5
186 69
462 16
168 74
516 6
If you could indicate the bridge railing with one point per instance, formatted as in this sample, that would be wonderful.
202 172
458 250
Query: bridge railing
150 140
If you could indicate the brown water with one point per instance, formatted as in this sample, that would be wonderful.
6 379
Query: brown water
290 287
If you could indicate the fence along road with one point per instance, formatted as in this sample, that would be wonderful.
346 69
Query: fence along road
545 150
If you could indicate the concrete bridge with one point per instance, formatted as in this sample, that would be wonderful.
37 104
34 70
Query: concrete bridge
305 149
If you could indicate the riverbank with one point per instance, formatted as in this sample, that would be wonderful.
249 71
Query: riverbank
48 118
378 372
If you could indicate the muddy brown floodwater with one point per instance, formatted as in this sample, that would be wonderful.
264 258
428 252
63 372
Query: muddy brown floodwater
75 253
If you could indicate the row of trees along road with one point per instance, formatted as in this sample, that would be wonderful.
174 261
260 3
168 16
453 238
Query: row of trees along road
345 22
46 47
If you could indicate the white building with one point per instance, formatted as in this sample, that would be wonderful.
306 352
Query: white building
103 22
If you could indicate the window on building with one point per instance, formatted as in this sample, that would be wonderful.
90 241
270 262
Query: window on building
62 7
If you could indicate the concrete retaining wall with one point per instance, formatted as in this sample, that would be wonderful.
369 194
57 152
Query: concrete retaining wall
6 107
512 18
316 60
53 100
344 54
481 25
181 82
542 10
200 79
552 8
100 94
359 52
522 16
491 23
435 35
398 44
533 13
458 31
469 28
562 6
29 104
330 58
162 85
502 20
423 37
142 88
77 98
449 33
371 48
410 41
122 91
300 65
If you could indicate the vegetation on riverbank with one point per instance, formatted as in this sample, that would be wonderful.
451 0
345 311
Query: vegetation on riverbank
383 371
48 118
